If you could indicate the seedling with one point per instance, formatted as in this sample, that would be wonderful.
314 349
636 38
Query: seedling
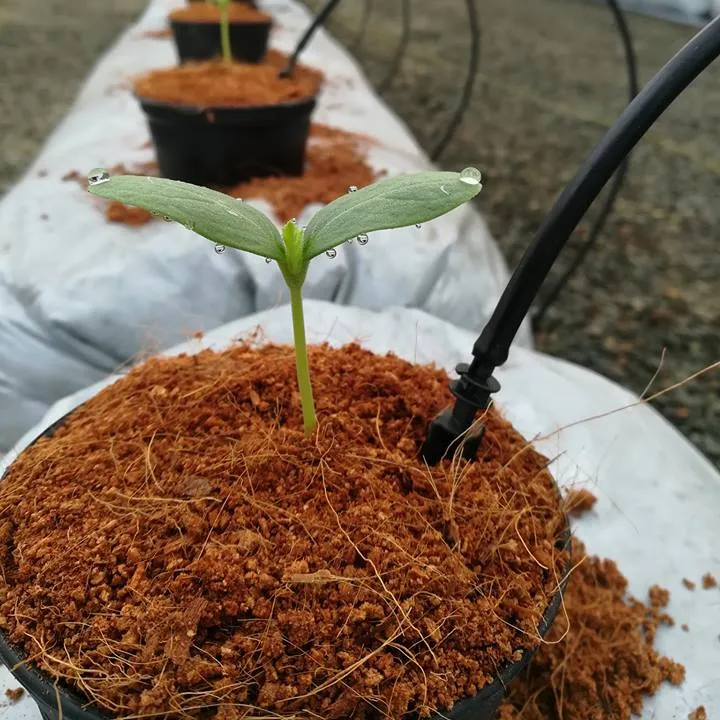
225 46
228 222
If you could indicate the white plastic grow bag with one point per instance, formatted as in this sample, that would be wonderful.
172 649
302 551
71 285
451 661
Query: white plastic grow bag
658 497
80 296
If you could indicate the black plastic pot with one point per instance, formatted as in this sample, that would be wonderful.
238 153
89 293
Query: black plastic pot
50 695
226 146
195 40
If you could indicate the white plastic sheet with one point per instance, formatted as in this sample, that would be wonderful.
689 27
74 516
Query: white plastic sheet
658 497
80 296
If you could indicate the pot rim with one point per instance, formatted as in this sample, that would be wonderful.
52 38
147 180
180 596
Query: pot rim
189 109
74 707
237 23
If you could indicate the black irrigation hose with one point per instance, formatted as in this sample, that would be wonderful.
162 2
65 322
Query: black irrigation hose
619 179
385 83
469 85
356 44
307 36
583 189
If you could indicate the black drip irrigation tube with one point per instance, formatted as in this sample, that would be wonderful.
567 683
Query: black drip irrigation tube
454 429
469 84
384 84
356 44
305 38
618 181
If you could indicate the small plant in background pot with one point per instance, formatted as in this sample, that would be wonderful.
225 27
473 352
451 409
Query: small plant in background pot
231 30
218 122
236 555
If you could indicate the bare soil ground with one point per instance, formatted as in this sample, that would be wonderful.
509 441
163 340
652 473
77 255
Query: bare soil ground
551 81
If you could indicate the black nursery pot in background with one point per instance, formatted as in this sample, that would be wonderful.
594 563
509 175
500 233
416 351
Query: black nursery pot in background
225 146
198 40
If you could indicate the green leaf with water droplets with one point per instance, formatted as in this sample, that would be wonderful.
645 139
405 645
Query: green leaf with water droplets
396 202
218 217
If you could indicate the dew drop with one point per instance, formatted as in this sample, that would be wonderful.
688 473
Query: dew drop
418 225
166 218
268 260
98 176
471 176
352 188
363 239
331 253
219 249
349 241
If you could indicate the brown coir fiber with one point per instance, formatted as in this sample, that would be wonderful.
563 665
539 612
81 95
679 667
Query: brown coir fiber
335 160
606 665
178 545
14 694
215 84
207 13
579 501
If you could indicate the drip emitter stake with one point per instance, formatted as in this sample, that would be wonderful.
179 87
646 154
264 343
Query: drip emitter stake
318 20
451 430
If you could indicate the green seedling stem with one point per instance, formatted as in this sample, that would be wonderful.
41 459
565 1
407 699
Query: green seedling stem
401 201
225 46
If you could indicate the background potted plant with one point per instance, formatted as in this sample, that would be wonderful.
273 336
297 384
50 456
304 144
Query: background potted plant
233 556
219 122
203 31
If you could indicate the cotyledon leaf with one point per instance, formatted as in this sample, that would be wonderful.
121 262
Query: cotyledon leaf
396 202
218 217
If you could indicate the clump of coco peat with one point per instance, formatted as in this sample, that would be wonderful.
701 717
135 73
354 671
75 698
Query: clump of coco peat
397 202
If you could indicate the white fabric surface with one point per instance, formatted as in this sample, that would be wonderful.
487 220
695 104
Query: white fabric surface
658 497
80 296
692 12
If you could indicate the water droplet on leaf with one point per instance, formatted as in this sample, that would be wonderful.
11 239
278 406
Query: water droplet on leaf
166 218
98 176
268 260
331 253
349 241
352 188
219 249
418 225
363 239
471 176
